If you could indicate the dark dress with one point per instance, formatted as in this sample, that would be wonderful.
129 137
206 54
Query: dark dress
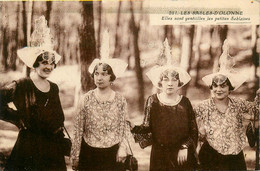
170 127
39 116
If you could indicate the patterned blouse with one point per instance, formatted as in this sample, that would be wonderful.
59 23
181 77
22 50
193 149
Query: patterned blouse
224 131
101 124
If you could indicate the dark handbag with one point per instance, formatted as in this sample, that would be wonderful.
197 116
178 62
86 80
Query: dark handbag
66 144
250 133
145 140
131 162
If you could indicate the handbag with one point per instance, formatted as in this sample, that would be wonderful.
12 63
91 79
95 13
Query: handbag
131 162
66 144
144 140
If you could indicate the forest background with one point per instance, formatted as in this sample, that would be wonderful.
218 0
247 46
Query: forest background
77 28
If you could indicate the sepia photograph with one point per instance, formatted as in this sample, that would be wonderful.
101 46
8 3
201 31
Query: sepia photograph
129 85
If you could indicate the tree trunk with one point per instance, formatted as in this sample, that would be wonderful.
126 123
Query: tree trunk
68 49
99 28
165 32
4 36
223 30
48 11
28 29
32 18
25 33
64 47
255 57
13 56
222 33
128 46
24 24
168 34
58 37
211 31
87 46
197 53
5 47
138 68
117 50
187 44
16 39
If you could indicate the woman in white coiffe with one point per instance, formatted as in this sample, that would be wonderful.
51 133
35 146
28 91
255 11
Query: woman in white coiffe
169 121
101 131
39 115
220 119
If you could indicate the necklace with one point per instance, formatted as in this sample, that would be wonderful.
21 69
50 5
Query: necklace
169 103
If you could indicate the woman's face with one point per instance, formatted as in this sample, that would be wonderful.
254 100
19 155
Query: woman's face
220 91
101 77
45 68
169 83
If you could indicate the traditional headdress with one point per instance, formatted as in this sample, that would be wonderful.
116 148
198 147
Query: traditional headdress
226 64
165 62
41 42
118 66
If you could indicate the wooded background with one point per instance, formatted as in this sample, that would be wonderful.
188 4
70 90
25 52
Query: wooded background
77 28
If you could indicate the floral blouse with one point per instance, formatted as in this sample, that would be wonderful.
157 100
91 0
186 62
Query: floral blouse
100 124
224 131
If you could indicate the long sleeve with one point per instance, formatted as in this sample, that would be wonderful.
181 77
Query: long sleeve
200 119
249 109
6 113
125 128
122 122
142 133
78 129
145 127
7 93
193 129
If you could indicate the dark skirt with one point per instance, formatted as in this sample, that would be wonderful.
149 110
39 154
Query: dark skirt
165 158
210 159
34 151
91 158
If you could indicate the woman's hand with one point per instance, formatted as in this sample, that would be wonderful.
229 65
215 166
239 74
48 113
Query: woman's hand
182 156
75 164
121 155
